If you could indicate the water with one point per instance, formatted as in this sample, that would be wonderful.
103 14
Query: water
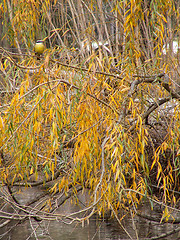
95 229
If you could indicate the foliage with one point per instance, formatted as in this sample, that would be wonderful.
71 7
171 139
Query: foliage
116 134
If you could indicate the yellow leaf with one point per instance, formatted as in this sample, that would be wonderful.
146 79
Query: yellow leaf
21 91
1 123
164 18
31 171
159 172
46 61
117 174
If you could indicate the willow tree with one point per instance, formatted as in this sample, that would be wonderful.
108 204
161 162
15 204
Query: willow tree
105 119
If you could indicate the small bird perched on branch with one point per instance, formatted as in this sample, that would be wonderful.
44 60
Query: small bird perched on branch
39 48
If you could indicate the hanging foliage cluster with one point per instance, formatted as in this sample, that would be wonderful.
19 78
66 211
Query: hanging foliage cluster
105 119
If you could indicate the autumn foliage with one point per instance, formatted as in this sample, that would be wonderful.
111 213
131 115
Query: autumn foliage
105 120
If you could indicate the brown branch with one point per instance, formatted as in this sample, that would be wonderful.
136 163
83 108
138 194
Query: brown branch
60 63
35 213
154 219
14 62
34 184
5 223
143 79
150 110
153 107
164 235
151 79
86 70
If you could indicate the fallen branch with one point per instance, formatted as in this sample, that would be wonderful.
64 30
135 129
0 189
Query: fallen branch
166 234
158 220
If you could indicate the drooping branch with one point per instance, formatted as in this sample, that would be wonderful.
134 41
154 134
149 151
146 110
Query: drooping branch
151 79
153 107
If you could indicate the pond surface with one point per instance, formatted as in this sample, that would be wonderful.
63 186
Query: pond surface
96 229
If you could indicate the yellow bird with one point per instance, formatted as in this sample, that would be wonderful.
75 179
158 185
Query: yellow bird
39 47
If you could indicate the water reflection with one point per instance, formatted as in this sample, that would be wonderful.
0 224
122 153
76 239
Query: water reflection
96 229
